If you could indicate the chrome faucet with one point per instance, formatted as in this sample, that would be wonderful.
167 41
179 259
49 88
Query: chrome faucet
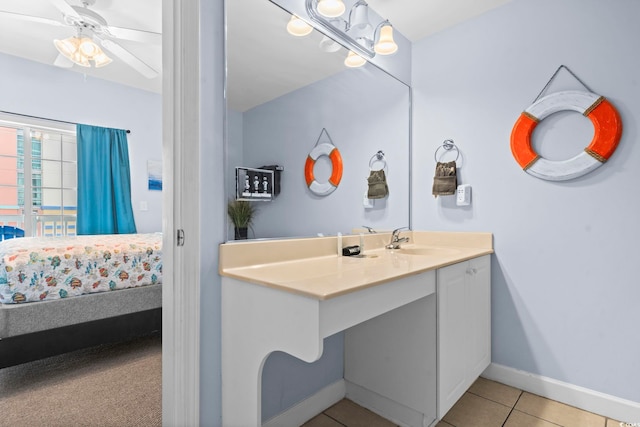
396 240
369 229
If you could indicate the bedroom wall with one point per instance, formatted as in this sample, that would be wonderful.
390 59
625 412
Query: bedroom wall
36 89
564 287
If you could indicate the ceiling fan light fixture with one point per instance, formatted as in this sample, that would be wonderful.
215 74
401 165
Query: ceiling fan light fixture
67 47
331 8
88 47
101 60
79 59
81 50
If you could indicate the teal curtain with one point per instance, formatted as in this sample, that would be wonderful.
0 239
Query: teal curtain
104 182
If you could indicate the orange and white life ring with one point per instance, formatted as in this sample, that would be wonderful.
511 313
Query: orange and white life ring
603 115
329 150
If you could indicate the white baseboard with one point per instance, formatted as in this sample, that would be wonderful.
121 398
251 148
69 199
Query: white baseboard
387 408
310 407
580 397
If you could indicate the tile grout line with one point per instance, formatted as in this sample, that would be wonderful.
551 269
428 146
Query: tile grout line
513 408
494 401
531 415
335 419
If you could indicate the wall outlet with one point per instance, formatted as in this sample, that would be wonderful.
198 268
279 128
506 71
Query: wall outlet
463 195
144 206
367 202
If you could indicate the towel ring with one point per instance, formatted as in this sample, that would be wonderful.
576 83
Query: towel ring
448 145
378 157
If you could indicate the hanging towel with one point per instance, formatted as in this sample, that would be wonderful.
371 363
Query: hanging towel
445 180
378 188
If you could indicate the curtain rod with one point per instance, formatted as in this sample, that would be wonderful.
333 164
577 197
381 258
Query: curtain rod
44 118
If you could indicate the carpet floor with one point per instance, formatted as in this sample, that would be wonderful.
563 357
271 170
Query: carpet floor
111 385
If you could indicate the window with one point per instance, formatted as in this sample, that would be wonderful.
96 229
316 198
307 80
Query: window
38 176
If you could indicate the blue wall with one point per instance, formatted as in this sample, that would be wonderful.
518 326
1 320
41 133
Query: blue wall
565 290
41 90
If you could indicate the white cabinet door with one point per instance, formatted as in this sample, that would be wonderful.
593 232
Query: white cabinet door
479 311
464 327
452 324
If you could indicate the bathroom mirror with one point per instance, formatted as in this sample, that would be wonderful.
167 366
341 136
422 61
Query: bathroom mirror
282 92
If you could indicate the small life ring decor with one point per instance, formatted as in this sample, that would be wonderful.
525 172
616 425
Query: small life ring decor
607 126
329 150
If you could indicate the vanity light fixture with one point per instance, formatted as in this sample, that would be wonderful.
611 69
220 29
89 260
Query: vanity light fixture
355 28
80 50
331 8
385 45
297 27
353 60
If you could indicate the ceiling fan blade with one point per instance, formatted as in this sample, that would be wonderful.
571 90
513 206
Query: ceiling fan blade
29 18
63 62
141 36
129 58
65 8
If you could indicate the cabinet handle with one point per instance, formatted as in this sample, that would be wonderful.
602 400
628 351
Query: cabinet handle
471 270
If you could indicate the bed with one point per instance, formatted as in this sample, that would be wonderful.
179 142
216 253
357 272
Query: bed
64 293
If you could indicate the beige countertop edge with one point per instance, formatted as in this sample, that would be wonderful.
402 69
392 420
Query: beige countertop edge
339 285
260 252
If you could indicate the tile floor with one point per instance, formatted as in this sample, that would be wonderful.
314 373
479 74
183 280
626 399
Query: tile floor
485 404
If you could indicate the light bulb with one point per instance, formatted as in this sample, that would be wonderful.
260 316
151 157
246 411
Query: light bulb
331 8
101 59
386 45
88 47
354 60
67 46
297 27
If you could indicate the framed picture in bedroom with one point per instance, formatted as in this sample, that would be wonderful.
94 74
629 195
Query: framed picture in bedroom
154 175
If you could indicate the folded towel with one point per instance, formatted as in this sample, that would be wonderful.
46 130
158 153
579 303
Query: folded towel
378 188
445 180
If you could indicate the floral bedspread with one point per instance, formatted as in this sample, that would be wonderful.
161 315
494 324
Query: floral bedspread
48 268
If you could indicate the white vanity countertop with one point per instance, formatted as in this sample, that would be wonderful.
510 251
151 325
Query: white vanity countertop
312 268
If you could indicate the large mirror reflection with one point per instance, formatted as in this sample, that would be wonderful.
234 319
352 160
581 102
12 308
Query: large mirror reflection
288 94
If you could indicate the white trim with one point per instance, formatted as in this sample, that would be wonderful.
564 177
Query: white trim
181 139
310 407
387 408
580 397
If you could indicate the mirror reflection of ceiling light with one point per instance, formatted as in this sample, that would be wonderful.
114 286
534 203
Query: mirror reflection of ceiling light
354 29
331 8
354 60
80 50
327 44
297 27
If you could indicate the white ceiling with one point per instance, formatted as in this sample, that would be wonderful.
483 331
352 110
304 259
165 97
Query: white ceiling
34 40
260 52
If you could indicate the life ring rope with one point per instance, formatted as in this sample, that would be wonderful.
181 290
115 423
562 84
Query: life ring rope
607 132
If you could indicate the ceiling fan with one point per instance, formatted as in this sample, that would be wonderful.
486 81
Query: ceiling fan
93 28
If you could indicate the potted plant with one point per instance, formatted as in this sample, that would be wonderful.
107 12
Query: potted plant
241 213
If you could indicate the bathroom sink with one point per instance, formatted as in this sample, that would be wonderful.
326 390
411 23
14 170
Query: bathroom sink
427 251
